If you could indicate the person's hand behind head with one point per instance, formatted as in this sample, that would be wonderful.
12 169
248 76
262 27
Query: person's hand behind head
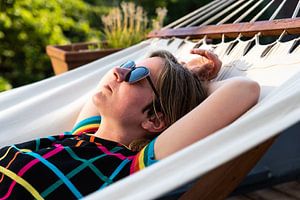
206 66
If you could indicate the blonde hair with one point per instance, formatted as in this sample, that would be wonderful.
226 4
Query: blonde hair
179 89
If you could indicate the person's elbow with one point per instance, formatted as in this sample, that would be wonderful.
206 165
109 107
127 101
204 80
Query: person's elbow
250 90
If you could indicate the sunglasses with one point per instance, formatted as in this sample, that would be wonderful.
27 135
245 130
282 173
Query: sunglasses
138 73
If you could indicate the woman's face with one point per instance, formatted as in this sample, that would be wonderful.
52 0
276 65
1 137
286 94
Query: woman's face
124 102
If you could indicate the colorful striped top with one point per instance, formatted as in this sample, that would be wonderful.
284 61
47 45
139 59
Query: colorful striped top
67 166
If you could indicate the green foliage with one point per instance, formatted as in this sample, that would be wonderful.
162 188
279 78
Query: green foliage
176 8
129 24
28 26
4 84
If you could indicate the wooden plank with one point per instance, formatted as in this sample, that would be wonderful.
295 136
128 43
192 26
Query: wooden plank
267 28
269 194
220 182
291 188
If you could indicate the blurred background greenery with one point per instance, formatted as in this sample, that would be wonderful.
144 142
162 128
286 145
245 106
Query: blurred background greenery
28 26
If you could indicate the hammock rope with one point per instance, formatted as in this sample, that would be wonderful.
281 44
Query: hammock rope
188 16
205 14
211 12
248 12
296 10
216 14
231 10
277 10
262 12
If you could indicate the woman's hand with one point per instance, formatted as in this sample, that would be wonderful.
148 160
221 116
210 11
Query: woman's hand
206 66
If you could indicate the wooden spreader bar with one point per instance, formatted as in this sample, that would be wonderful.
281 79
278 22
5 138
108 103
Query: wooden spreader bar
266 28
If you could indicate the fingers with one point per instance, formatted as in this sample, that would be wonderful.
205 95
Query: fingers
215 62
206 53
209 55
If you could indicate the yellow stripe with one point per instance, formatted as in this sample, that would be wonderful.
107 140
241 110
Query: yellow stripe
25 150
22 182
141 159
86 127
6 153
22 150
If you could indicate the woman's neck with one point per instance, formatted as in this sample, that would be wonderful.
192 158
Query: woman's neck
117 132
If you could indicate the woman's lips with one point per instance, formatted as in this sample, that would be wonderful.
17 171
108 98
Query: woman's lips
108 87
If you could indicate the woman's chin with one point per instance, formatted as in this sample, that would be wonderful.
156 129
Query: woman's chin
99 98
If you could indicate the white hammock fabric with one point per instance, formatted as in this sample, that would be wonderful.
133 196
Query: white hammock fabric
51 106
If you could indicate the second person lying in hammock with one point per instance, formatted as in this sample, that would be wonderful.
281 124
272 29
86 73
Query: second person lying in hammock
147 110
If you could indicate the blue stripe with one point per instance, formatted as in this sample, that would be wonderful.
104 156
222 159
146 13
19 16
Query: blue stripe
116 172
52 138
86 163
150 154
67 133
90 120
57 172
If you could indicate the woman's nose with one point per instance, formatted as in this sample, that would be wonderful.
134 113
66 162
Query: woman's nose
121 73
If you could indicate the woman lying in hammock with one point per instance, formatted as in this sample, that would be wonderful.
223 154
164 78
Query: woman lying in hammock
149 110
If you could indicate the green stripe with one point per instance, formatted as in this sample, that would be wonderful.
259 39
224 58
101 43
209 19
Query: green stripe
79 169
53 168
146 156
37 144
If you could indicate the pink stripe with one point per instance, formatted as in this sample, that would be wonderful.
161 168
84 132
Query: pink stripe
28 166
120 156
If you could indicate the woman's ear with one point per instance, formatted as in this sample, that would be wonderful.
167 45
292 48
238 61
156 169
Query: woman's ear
155 124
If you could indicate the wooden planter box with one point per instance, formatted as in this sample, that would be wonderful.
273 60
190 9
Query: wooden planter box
67 57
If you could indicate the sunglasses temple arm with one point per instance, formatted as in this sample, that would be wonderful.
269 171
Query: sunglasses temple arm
152 85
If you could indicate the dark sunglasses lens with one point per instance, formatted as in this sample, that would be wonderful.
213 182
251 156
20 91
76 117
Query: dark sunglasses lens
138 74
128 65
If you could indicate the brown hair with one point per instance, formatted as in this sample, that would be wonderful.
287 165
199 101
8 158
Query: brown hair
179 89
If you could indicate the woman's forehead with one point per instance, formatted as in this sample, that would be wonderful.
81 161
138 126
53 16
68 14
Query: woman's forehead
152 63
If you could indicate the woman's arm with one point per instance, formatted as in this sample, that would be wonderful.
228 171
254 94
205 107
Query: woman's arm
228 101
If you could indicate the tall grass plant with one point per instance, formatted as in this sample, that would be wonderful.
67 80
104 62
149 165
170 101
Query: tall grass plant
129 24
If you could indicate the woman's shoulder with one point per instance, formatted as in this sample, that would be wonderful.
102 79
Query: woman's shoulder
144 158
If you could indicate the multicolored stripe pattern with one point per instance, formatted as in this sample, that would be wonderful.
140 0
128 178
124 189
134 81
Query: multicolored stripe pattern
67 166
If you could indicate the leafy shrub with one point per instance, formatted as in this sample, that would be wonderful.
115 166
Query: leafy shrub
4 84
28 26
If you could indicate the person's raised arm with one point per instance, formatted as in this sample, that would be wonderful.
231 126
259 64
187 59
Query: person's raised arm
227 101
